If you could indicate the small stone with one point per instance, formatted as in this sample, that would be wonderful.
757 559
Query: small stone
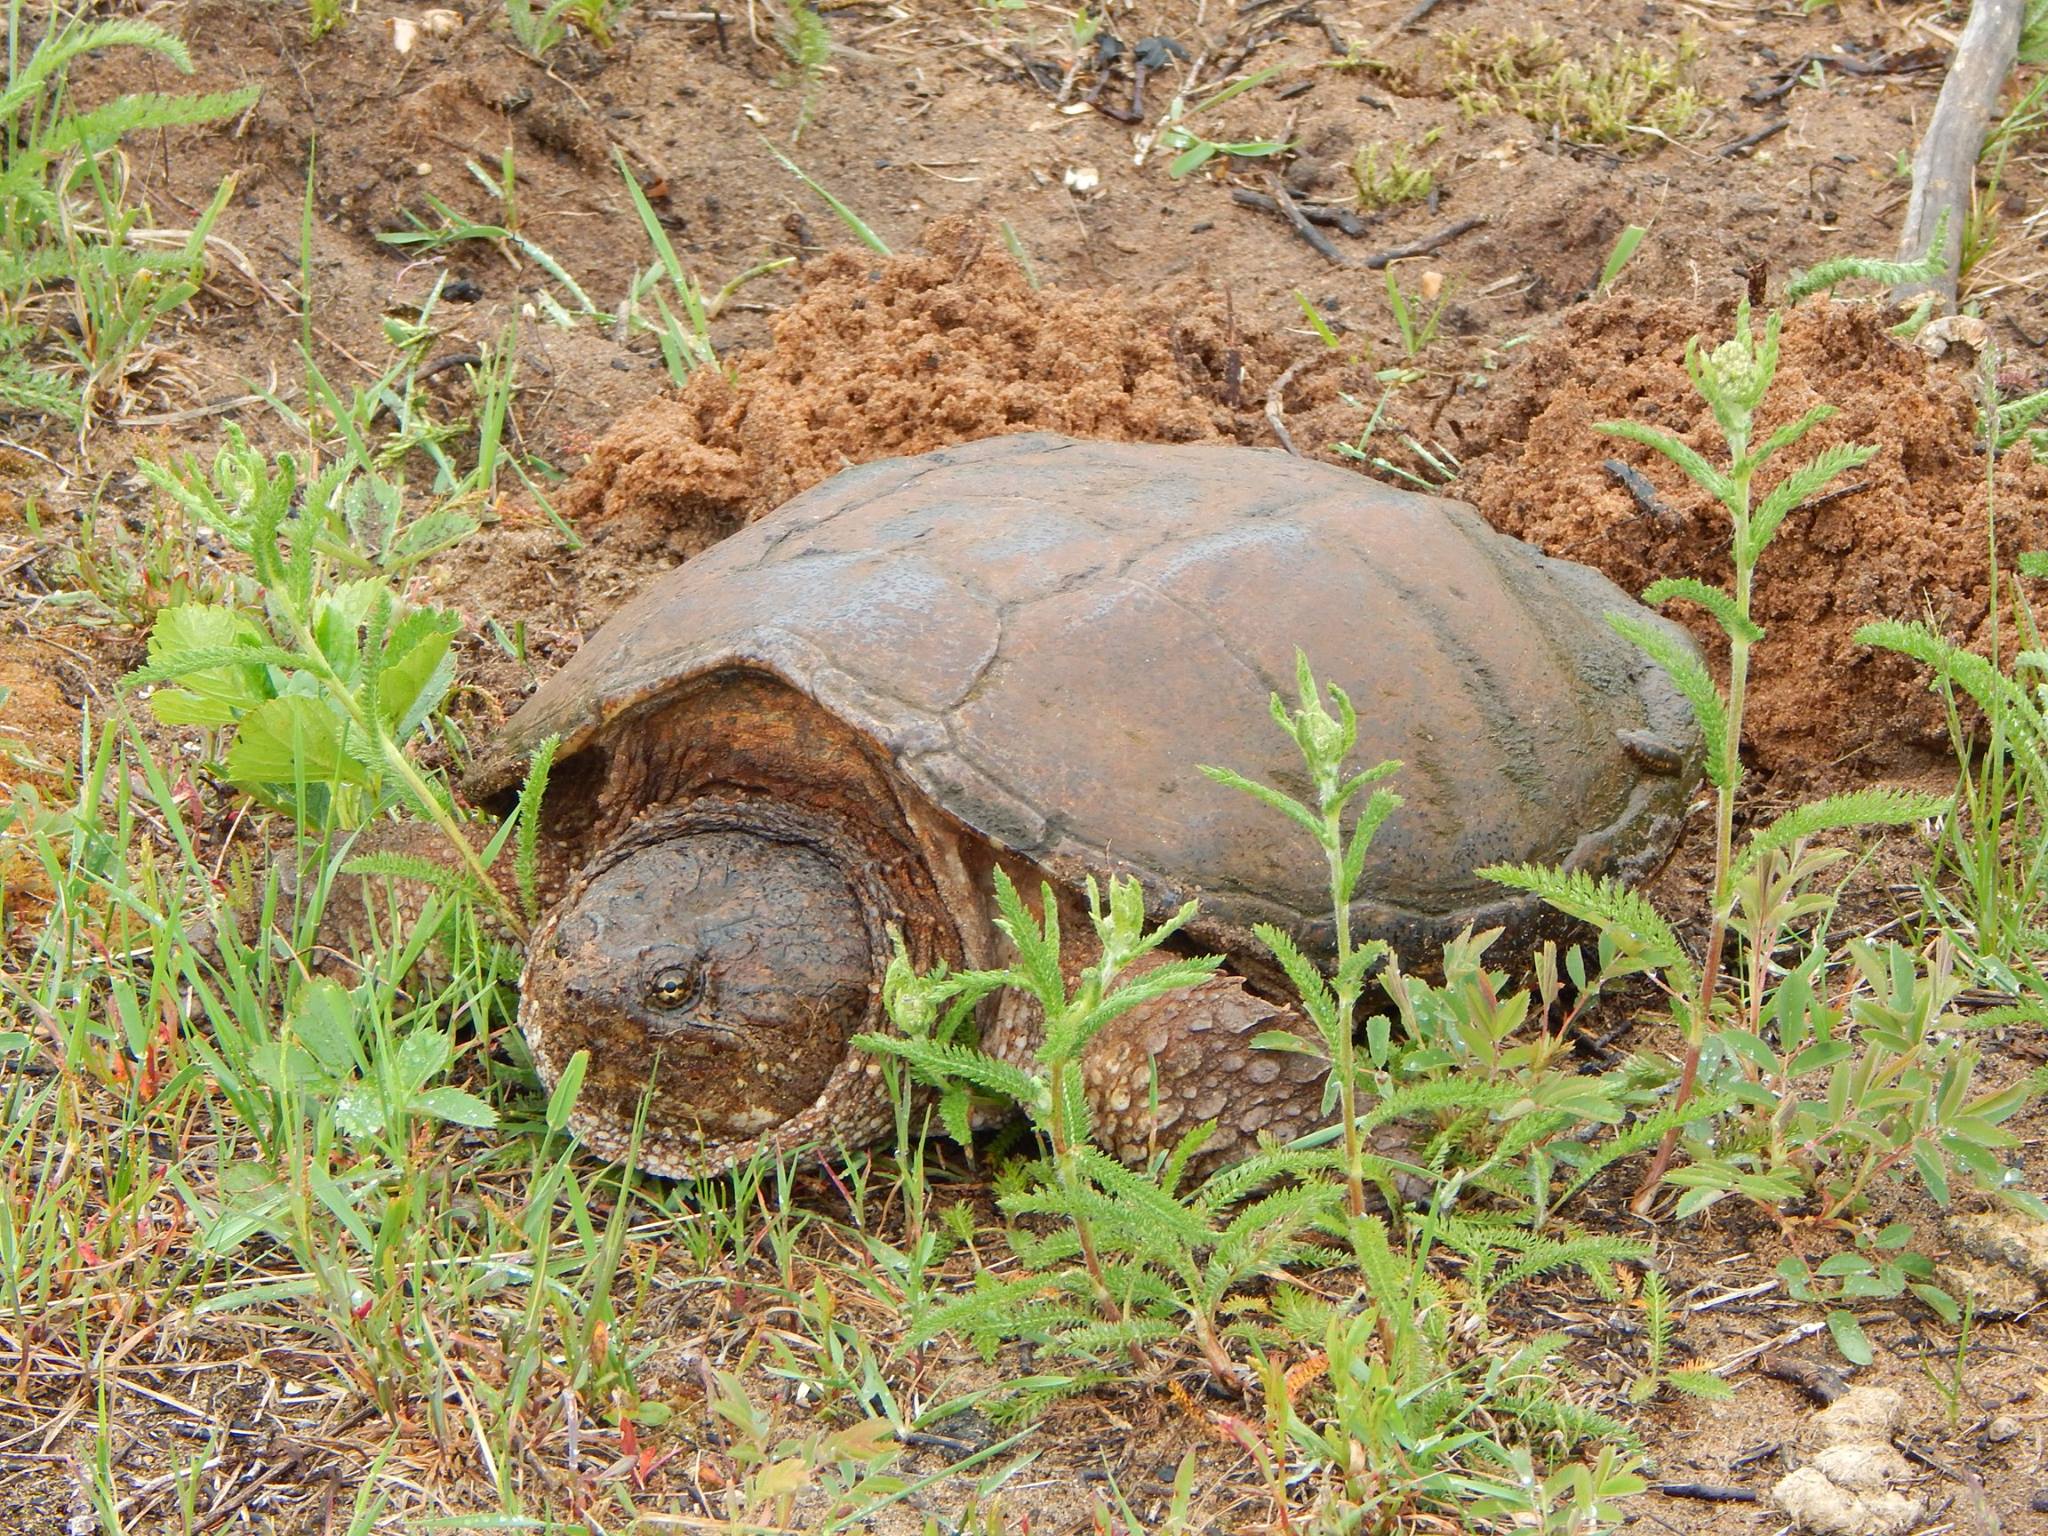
2001 1429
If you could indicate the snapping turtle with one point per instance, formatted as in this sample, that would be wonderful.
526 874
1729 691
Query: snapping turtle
1014 653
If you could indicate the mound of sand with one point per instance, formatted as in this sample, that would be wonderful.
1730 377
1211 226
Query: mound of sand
882 357
1910 539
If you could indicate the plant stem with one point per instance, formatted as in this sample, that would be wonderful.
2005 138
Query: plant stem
1724 838
1063 1162
1347 1008
403 766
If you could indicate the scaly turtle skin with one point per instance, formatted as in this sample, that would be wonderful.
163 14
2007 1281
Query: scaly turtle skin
1015 653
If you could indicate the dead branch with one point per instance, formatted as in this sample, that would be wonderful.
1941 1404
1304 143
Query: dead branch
1945 166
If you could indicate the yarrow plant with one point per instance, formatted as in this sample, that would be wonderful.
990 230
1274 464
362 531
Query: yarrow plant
1761 888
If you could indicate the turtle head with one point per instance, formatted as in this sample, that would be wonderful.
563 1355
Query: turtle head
716 963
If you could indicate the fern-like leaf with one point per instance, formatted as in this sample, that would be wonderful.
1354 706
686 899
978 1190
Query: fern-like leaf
1641 1136
448 879
1795 489
1286 805
56 52
1787 435
206 659
1697 469
1891 274
941 1062
103 127
1616 909
1690 677
1307 981
1037 940
1588 1252
1068 1038
1859 808
526 862
1733 621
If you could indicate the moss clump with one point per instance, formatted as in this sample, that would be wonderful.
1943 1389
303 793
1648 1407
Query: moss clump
1612 95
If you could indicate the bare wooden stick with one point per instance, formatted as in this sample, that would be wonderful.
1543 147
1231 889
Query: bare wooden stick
1302 227
1423 246
1276 409
1945 166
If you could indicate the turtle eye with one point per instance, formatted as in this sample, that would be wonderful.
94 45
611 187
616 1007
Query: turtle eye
676 986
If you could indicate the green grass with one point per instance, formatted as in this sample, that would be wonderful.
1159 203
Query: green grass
85 276
337 1179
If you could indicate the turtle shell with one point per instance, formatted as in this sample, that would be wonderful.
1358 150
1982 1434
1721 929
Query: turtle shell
1049 636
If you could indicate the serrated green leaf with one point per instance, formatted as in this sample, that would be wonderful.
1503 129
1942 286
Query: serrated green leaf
1302 975
939 1063
1697 469
1876 807
323 1020
1722 605
1701 1384
1286 805
1618 910
1788 434
1689 675
414 683
1796 489
423 1055
289 739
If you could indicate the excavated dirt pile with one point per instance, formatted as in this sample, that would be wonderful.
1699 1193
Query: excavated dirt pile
902 355
882 357
1908 541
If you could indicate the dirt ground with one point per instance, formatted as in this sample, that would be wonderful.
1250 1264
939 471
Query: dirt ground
1145 307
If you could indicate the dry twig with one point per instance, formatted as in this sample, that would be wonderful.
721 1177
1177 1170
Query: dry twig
1945 166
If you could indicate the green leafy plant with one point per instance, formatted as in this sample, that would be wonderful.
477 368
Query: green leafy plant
1657 1372
1989 886
1325 742
1388 175
1625 247
1880 1267
1191 149
1761 880
807 42
1417 330
1409 1428
540 32
83 276
319 702
686 342
1153 1257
